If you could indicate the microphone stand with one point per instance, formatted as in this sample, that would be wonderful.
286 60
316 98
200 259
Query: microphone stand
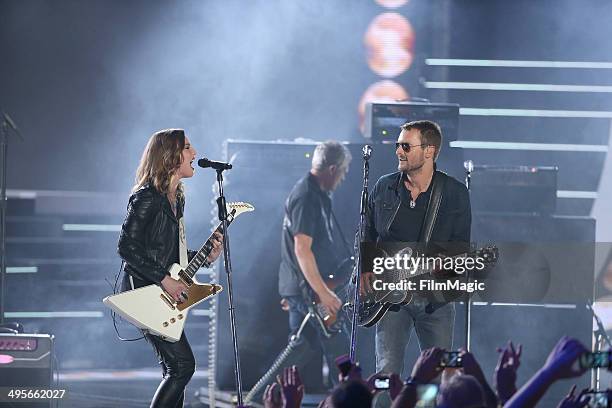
6 125
228 269
367 152
469 168
601 336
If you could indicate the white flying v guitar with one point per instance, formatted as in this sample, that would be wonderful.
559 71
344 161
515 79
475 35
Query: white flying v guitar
151 308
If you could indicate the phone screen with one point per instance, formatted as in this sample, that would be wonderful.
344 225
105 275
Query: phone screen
381 383
595 360
426 395
598 399
451 359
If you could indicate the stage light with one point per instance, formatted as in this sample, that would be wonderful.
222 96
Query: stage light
392 3
389 42
6 359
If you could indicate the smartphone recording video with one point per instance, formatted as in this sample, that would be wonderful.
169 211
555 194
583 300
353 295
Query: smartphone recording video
599 399
381 383
595 360
451 359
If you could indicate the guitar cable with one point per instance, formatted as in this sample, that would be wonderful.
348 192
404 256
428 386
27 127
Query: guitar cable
278 362
113 314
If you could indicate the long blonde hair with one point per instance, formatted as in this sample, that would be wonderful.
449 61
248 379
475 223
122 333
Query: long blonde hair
161 157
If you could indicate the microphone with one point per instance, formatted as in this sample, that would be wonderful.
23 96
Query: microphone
10 122
468 165
217 165
366 152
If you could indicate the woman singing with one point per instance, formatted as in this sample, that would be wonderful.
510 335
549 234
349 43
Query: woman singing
150 243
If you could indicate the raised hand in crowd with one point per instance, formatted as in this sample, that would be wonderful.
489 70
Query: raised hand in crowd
505 371
471 367
425 370
561 363
575 401
292 389
407 397
395 385
427 367
272 397
287 392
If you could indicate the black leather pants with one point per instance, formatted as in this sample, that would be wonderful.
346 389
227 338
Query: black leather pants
178 365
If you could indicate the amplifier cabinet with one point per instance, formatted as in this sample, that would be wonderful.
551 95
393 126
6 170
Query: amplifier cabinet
26 361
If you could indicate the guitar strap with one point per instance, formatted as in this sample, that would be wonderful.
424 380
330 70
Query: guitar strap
433 207
183 258
345 243
431 215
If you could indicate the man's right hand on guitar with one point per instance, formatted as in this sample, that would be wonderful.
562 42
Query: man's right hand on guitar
331 302
365 286
174 288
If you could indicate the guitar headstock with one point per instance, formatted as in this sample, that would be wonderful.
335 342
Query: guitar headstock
239 207
489 254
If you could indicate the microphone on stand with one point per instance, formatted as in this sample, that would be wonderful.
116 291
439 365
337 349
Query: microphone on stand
366 152
217 165
9 123
468 165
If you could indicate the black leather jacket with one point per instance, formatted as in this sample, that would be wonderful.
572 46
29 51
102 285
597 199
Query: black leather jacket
453 222
149 237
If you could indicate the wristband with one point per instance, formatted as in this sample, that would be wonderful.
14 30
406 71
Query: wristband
412 381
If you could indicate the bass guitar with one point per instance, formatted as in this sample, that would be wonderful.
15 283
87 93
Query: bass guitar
330 323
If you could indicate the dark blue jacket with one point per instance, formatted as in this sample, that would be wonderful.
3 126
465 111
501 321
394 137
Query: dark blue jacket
454 218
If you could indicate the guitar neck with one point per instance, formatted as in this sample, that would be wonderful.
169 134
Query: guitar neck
198 260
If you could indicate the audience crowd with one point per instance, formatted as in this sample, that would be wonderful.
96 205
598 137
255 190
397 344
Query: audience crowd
465 386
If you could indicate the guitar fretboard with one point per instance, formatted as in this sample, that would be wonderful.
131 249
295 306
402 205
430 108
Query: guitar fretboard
198 260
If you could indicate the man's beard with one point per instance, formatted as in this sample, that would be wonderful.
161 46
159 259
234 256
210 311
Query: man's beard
411 169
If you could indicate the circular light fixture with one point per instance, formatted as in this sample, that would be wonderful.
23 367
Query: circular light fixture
392 3
389 43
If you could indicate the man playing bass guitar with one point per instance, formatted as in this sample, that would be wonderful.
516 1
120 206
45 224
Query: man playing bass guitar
309 254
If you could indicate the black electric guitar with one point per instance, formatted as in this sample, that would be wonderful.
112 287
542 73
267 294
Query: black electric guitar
374 305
